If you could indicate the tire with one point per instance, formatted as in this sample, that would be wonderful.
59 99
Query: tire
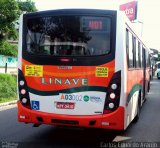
148 86
135 120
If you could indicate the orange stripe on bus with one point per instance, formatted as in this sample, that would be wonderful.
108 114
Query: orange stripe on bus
56 74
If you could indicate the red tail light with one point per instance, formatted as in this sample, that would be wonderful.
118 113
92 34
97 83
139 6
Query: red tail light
113 94
23 90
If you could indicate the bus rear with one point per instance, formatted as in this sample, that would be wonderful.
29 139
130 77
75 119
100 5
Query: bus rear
66 71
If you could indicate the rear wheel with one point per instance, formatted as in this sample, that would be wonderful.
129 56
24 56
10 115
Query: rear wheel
148 86
158 76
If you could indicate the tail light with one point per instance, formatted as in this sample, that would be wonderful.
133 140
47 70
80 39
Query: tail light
23 90
113 93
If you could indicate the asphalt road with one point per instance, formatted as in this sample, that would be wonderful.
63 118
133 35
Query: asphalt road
15 134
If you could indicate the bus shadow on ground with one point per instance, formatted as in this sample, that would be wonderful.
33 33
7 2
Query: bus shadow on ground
71 137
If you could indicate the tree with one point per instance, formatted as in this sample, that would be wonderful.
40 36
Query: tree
10 11
8 15
8 49
26 6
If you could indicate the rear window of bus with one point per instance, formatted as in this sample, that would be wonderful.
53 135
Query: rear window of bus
69 35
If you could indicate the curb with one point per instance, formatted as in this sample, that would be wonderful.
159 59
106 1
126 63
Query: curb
8 103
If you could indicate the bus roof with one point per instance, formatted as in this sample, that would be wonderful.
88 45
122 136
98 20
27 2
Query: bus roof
99 10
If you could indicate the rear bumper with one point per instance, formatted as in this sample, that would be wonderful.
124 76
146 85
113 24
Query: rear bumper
113 120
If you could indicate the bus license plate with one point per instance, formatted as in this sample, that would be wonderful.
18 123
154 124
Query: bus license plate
65 105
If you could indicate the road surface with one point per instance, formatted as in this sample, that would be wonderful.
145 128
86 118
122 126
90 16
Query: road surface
20 135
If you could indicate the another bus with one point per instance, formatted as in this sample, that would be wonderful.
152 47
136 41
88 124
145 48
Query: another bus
81 67
157 70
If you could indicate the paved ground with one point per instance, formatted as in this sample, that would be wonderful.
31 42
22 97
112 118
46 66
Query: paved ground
18 134
148 127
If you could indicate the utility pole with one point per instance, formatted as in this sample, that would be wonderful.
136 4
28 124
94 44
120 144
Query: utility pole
4 58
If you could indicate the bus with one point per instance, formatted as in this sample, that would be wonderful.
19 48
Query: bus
157 70
82 68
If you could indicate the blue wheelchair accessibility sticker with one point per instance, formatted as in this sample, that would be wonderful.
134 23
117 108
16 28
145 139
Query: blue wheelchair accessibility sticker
35 105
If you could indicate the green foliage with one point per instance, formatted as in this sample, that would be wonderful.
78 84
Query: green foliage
8 49
10 11
26 6
8 14
8 87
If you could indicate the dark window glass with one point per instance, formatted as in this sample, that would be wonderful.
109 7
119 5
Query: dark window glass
139 53
142 56
134 51
69 35
147 59
127 45
158 65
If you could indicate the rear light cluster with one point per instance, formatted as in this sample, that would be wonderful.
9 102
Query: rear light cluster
113 93
23 92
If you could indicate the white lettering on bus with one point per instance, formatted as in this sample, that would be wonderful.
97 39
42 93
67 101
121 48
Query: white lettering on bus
67 81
